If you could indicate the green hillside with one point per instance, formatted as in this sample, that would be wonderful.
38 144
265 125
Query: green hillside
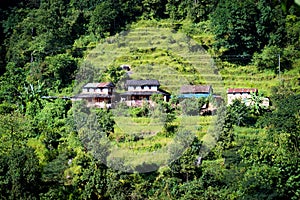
53 147
169 56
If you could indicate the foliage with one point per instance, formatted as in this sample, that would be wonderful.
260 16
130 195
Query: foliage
14 131
52 149
256 104
20 174
105 121
268 59
103 18
234 27
185 167
243 28
113 74
194 10
192 106
275 153
238 113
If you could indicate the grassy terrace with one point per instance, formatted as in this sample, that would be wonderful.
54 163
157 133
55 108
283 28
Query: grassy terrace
138 140
148 134
160 53
250 77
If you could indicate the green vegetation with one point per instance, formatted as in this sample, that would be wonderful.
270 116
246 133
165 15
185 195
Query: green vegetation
52 148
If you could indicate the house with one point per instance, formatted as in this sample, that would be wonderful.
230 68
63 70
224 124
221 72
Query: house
199 91
96 94
244 94
141 90
196 91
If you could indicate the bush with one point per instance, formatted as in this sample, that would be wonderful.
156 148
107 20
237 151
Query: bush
192 106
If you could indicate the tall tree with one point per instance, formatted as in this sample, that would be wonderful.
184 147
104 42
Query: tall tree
20 174
234 26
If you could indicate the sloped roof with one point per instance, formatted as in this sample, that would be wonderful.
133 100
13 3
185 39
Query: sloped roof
241 90
93 95
194 89
99 85
142 82
146 93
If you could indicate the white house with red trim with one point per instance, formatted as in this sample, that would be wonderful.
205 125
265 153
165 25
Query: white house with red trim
244 94
96 94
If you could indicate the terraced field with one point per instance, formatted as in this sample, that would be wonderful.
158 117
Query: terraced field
250 77
144 140
159 52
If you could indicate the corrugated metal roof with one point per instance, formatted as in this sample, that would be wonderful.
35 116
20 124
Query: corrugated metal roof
241 90
194 89
99 85
142 82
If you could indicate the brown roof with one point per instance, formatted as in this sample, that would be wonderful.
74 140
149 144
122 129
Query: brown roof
185 89
99 85
241 90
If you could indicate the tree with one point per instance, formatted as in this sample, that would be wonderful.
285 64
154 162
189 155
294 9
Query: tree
268 58
270 24
234 26
238 113
14 131
20 174
104 18
31 98
192 106
185 167
196 10
59 70
112 74
50 124
154 9
256 101
271 160
105 121
94 181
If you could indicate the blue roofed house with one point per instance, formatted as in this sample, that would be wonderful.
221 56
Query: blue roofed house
199 91
195 91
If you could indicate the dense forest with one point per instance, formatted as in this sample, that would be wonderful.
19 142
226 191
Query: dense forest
42 153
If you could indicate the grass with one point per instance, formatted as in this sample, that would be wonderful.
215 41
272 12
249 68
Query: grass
145 134
151 147
160 53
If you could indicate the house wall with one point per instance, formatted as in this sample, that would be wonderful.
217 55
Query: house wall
97 90
245 97
145 88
